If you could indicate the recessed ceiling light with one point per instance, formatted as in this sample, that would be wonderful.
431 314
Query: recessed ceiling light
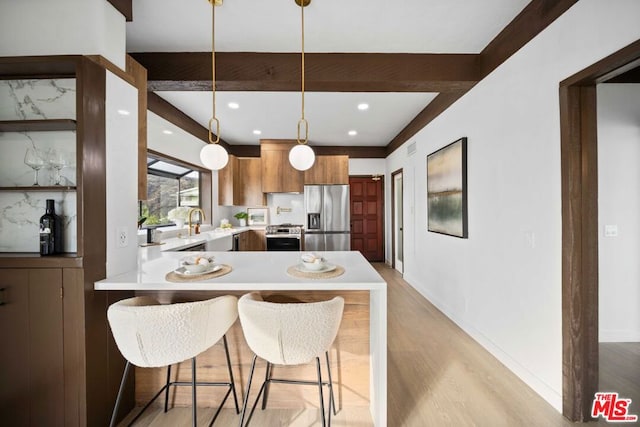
167 132
233 105
257 132
123 112
353 133
363 106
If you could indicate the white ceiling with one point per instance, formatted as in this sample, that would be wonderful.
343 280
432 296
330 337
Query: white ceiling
405 26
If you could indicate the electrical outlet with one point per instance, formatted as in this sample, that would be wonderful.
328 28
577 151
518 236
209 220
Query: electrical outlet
123 237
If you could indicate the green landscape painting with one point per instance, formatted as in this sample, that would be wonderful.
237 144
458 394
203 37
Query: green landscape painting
447 190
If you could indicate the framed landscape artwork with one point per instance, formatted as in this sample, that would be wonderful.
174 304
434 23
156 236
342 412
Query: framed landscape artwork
258 216
447 190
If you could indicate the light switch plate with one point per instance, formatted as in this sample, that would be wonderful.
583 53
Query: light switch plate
610 231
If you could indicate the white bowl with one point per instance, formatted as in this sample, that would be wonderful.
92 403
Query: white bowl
318 264
196 263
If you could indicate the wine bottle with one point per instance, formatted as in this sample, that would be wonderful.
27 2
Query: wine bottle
50 231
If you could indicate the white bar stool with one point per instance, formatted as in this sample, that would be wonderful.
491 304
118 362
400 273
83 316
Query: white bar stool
151 335
289 334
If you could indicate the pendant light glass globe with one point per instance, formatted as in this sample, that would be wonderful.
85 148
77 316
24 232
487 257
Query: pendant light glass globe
302 157
214 156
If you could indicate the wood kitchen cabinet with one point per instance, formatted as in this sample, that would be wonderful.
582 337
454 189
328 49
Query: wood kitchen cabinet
328 170
252 240
59 365
32 386
278 176
240 183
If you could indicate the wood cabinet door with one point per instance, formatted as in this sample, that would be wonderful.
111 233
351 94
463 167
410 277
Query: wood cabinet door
248 190
31 362
328 170
278 176
227 176
258 240
367 216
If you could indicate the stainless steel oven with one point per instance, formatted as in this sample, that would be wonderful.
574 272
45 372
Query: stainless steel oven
285 237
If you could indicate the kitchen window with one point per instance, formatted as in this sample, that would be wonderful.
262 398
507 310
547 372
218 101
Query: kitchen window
170 184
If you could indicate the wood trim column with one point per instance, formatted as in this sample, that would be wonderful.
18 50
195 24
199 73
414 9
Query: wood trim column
139 74
579 249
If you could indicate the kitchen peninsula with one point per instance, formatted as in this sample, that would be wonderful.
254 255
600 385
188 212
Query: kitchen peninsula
360 353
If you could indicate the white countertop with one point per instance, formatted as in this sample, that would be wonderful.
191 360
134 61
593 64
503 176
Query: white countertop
251 271
178 243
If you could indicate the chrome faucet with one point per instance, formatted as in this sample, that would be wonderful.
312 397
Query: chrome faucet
202 218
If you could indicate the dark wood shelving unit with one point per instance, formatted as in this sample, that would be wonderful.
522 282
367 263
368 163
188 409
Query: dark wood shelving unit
37 125
35 260
40 188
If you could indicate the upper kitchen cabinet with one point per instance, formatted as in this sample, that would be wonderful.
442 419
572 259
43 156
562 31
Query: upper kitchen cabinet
240 183
328 170
278 176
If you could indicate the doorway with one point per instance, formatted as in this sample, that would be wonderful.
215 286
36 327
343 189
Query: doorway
579 161
367 216
397 221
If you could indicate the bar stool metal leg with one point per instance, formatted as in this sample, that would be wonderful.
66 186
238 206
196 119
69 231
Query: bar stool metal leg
246 395
333 402
112 423
233 383
166 392
193 393
267 377
324 422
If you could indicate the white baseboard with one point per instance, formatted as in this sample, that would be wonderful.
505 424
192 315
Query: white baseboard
553 397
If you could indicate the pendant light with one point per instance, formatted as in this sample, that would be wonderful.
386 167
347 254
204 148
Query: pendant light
302 156
213 155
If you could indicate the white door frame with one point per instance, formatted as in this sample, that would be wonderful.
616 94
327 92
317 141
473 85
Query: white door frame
397 221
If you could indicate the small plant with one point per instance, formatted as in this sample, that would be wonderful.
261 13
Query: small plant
241 215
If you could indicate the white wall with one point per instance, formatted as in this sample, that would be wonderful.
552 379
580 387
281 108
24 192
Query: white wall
619 205
121 149
503 284
366 166
62 27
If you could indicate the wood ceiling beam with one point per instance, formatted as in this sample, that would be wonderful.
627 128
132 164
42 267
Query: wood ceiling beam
125 7
324 72
534 18
430 112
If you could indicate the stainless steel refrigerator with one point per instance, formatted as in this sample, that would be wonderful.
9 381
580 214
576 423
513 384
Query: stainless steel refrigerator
327 218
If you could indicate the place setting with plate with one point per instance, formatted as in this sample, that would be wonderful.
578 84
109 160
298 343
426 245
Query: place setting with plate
312 266
200 266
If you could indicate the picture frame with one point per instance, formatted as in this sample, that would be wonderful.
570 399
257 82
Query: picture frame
258 216
447 208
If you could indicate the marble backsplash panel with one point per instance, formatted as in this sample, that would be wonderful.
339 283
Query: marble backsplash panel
37 99
13 146
20 214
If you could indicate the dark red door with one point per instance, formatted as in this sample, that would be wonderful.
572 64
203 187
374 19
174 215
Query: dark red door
367 213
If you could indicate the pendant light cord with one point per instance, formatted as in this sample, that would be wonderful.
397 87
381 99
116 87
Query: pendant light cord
213 78
302 120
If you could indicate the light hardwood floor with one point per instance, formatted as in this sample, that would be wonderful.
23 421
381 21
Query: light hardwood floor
438 376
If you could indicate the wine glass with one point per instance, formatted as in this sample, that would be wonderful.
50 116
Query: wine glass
33 159
57 162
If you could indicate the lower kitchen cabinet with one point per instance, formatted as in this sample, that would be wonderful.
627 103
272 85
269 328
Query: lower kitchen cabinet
32 358
252 240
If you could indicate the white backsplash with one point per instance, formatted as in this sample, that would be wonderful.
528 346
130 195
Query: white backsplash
20 218
20 212
286 201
